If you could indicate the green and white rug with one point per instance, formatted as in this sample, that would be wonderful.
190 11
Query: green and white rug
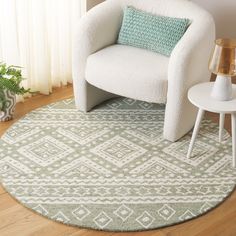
110 169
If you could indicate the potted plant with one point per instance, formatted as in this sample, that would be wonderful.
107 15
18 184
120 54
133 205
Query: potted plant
10 80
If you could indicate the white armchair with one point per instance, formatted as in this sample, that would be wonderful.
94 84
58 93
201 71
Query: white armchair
102 69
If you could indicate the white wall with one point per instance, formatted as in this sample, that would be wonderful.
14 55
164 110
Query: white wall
224 13
92 3
88 4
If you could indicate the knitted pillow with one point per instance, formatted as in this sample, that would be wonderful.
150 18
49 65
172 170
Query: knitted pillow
153 32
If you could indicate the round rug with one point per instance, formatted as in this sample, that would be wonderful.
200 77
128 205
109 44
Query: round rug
111 169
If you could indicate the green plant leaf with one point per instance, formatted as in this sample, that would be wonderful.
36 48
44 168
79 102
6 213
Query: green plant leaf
11 78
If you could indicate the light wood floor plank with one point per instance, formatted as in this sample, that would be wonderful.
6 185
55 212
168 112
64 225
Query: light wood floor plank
87 232
6 201
56 229
16 220
2 190
13 214
142 233
26 226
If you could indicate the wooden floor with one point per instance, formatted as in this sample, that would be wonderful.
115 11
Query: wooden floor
16 220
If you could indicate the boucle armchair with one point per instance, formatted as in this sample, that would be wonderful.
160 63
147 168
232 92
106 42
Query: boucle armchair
102 69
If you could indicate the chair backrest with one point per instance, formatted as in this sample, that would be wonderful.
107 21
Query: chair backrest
171 8
201 20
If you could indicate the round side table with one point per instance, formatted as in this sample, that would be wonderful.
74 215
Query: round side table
200 96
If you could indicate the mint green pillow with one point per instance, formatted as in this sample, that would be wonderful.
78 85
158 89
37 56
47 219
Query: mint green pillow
153 32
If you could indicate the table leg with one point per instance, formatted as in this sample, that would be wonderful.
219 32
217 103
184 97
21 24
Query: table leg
233 129
195 131
221 126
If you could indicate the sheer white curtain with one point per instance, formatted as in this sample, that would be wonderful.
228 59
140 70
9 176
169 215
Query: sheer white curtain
37 35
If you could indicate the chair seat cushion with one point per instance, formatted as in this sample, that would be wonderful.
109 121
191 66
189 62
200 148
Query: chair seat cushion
128 71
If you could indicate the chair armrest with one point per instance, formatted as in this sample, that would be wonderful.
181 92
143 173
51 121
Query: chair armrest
189 59
97 29
188 66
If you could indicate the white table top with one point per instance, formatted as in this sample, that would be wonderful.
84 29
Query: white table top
200 96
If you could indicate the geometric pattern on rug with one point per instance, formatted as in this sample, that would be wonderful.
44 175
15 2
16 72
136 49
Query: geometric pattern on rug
111 169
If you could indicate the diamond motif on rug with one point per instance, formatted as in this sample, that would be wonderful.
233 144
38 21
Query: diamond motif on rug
81 212
40 209
201 152
204 190
187 215
162 190
46 150
184 190
129 101
102 220
40 191
60 216
145 105
122 191
102 191
205 207
81 191
119 151
115 104
123 212
145 219
166 212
